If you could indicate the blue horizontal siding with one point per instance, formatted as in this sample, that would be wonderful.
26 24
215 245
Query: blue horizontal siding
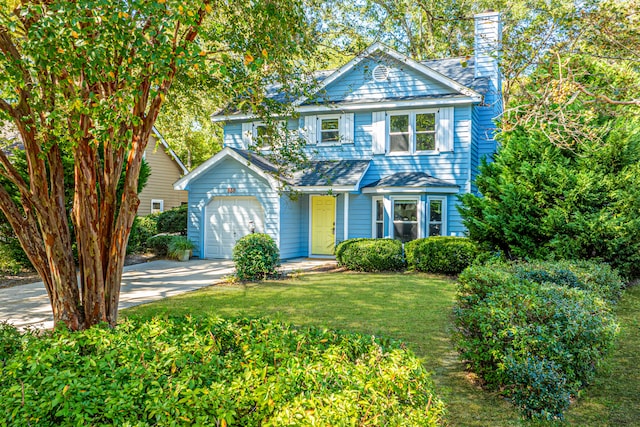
292 224
229 174
233 135
402 82
359 216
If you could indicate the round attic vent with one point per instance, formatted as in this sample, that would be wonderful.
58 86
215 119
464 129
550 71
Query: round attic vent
380 73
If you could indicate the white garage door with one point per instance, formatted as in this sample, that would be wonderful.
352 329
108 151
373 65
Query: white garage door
229 219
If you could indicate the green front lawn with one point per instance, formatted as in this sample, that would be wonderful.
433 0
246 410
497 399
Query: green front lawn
416 309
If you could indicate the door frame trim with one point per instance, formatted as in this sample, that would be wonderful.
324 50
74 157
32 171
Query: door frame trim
335 209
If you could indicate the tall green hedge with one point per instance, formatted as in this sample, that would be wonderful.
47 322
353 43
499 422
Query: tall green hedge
370 255
211 372
440 254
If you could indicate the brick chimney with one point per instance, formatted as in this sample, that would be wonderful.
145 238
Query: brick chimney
487 43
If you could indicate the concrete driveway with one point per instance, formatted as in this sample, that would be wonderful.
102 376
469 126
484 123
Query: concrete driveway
28 305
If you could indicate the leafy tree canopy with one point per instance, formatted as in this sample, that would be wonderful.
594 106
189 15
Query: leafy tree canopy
90 77
544 201
563 41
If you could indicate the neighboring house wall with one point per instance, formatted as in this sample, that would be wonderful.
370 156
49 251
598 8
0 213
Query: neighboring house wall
164 172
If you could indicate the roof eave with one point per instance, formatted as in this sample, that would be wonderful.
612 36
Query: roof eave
183 183
364 106
411 190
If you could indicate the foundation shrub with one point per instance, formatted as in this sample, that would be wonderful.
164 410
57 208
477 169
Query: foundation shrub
207 371
370 255
441 254
534 342
256 257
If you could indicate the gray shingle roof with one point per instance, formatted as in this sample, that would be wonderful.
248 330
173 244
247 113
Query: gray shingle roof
462 70
331 172
257 160
410 179
324 173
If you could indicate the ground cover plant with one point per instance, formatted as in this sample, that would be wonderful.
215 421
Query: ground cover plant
532 333
370 255
416 308
209 371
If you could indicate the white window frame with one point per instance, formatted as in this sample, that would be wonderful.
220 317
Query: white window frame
443 199
160 201
374 219
319 129
412 133
419 207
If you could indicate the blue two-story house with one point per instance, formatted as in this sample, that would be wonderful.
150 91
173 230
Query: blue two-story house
394 142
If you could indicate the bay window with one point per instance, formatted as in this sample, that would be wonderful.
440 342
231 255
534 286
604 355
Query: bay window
406 219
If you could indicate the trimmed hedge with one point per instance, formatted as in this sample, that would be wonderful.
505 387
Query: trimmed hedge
370 255
592 276
212 372
440 254
173 220
256 257
538 343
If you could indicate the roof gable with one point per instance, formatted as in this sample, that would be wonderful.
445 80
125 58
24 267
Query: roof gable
168 149
355 79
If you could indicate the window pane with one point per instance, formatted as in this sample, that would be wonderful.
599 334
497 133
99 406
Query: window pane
399 123
329 124
435 229
425 122
330 136
425 142
379 210
405 210
399 143
435 211
404 231
379 230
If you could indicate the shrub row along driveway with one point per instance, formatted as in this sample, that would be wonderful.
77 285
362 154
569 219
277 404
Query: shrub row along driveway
28 305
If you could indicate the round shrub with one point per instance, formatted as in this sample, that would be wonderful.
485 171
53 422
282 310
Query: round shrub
159 244
504 320
370 255
256 257
208 372
173 220
441 254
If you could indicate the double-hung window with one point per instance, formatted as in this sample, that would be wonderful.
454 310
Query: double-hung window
329 130
411 132
436 215
406 214
378 217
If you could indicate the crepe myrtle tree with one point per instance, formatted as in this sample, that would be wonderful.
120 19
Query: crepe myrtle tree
91 76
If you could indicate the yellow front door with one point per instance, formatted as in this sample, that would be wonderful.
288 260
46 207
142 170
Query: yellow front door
323 217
